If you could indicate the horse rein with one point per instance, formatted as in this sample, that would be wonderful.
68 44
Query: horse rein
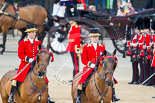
42 64
103 77
36 73
40 92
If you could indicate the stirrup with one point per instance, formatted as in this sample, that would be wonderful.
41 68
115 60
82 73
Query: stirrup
50 101
78 100
10 100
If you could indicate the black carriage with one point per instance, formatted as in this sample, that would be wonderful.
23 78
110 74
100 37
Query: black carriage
118 28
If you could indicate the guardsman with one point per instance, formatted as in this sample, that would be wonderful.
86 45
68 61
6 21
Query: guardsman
90 54
147 56
27 52
134 55
74 46
152 70
141 56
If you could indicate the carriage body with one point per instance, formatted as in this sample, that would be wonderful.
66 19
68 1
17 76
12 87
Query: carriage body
116 27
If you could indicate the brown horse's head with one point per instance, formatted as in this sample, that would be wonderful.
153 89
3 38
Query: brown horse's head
108 66
43 58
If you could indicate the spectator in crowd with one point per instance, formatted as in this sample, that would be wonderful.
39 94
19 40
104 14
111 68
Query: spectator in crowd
92 8
120 11
130 9
97 3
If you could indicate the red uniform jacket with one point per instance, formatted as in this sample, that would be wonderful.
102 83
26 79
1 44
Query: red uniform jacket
74 38
89 54
153 61
147 41
26 50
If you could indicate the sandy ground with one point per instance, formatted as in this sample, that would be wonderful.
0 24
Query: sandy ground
60 71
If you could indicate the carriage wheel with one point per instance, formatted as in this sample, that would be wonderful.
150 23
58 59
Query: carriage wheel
57 42
118 44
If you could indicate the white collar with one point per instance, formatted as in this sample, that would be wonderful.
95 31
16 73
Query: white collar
95 45
31 40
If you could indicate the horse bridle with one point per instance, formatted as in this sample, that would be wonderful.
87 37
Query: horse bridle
37 74
41 64
104 78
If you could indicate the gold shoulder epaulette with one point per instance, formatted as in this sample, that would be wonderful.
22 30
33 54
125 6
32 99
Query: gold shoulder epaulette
36 39
89 44
100 44
26 39
76 25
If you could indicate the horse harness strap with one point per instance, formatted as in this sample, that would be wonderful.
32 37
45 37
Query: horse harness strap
99 90
103 79
39 97
16 17
3 8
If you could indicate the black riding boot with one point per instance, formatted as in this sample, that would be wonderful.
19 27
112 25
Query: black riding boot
13 90
79 93
49 100
114 99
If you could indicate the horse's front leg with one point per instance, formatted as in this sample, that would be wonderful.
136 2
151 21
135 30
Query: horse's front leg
3 45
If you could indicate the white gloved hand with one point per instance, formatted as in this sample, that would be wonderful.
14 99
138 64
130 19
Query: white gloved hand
92 65
77 52
31 60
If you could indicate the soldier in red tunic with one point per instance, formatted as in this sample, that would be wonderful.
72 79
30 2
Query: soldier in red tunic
74 45
90 54
27 52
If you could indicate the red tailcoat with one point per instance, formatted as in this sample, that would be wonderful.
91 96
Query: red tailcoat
26 50
89 54
74 38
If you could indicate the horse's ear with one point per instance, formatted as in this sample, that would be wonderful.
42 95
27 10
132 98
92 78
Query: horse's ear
114 53
104 53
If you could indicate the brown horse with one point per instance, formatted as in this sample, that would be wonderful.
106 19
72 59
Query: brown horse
34 84
98 89
29 14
